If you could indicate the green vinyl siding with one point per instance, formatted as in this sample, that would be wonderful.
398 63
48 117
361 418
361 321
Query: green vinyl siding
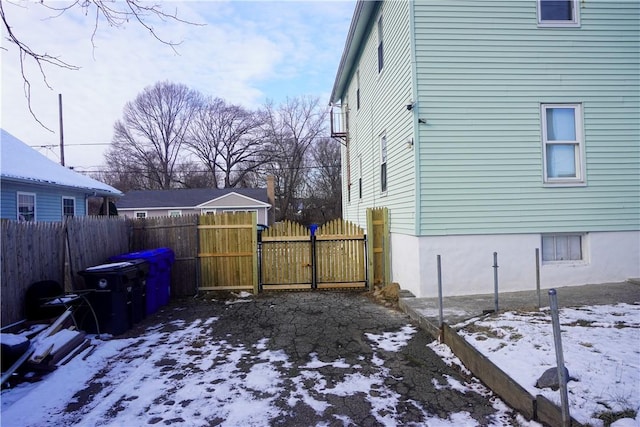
483 69
383 99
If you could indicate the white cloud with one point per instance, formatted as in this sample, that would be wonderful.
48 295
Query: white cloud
246 53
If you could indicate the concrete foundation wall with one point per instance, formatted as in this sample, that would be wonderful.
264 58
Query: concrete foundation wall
467 262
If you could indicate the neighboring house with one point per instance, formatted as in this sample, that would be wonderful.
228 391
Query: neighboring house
495 126
150 203
34 188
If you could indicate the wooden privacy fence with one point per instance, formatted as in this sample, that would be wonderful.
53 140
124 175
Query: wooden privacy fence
227 252
291 257
213 252
32 252
379 247
180 234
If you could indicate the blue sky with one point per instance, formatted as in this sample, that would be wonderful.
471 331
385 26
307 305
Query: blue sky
246 53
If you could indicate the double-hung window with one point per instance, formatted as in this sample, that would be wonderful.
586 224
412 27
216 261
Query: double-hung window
383 163
140 214
380 46
68 207
562 140
558 13
26 206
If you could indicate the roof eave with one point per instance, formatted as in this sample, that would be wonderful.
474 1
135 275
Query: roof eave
359 23
95 192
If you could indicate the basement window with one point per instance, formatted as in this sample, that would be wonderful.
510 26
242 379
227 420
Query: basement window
562 247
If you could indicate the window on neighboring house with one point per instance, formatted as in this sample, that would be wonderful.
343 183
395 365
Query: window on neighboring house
558 13
140 214
175 213
562 143
26 207
383 163
357 89
562 247
68 207
380 46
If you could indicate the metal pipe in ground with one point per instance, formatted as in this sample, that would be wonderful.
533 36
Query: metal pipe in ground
495 280
441 316
538 278
562 377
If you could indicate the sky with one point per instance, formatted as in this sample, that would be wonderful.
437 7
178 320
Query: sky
245 52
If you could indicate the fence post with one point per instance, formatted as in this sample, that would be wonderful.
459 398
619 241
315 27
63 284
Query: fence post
314 264
562 377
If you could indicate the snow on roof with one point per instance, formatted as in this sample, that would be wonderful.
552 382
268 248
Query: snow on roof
20 162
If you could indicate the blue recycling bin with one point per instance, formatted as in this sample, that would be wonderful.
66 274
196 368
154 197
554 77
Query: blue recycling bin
158 286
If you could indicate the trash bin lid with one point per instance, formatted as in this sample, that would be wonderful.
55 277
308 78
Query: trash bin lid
111 266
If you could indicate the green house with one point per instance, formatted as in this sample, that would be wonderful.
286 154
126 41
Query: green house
493 126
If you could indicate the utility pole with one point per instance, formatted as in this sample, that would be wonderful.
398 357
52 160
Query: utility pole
61 130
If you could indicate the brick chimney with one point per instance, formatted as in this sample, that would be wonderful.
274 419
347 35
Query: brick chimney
271 196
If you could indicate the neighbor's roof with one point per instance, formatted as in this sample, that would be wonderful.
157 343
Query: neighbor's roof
184 198
21 163
357 31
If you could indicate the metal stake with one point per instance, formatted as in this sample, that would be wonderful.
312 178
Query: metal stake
440 290
562 378
538 277
495 280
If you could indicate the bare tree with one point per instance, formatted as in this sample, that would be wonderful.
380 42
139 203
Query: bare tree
108 12
291 129
227 139
149 137
325 182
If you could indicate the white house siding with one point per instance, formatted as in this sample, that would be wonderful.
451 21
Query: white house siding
483 69
467 263
383 100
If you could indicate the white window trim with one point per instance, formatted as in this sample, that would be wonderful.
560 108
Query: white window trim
135 214
35 210
174 211
583 248
73 199
580 179
575 22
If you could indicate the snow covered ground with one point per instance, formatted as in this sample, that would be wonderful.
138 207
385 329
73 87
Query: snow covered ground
601 351
179 376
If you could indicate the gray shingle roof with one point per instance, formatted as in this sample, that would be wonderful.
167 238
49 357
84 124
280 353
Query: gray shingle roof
183 198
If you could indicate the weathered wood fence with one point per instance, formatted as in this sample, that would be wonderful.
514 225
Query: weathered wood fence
213 252
32 252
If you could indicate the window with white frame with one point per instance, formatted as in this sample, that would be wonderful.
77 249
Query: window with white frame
383 163
140 214
68 207
558 13
26 206
175 213
562 247
380 46
562 140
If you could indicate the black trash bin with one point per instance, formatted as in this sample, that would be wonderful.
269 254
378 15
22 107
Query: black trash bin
117 297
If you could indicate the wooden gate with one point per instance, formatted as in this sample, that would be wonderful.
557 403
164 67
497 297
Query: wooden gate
228 252
292 258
